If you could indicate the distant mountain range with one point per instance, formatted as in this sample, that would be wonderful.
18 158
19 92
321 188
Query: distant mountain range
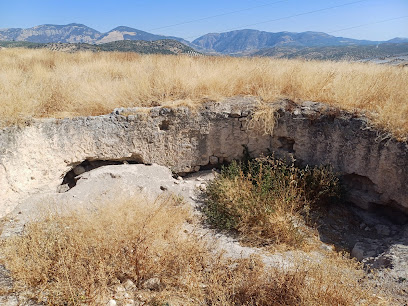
240 42
250 40
77 33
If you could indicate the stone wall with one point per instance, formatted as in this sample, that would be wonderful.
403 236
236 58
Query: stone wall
37 157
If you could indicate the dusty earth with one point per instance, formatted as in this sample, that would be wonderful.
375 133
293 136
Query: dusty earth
380 242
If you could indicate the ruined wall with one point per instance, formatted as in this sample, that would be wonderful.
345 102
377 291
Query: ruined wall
36 157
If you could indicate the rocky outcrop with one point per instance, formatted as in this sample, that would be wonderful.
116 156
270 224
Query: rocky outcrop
373 165
44 153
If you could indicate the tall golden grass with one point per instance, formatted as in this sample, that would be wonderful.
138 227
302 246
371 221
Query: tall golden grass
43 83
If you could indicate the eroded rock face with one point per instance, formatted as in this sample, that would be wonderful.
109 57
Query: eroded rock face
374 166
36 157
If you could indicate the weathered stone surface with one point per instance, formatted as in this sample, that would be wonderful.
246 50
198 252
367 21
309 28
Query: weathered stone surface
129 285
387 254
374 168
36 157
152 284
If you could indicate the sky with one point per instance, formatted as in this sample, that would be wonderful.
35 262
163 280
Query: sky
189 19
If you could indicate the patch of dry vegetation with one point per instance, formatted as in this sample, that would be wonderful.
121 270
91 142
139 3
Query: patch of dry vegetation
78 259
263 119
267 200
43 83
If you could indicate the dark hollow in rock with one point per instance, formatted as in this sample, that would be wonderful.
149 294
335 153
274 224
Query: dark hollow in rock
87 165
164 125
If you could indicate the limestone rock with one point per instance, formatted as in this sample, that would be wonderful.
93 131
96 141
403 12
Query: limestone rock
152 284
213 160
390 254
112 303
129 285
79 170
395 259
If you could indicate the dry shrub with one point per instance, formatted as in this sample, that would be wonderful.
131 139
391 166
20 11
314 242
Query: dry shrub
331 281
263 119
264 199
76 259
44 83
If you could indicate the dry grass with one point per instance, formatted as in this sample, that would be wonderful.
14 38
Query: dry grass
263 119
43 83
79 259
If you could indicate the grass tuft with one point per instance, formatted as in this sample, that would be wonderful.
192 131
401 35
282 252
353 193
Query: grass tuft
263 119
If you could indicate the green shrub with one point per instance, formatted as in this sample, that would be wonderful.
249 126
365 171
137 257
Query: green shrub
264 199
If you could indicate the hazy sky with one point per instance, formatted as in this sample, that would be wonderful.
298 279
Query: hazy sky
173 17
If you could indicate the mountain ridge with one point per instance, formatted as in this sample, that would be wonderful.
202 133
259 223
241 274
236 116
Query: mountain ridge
78 33
248 40
237 42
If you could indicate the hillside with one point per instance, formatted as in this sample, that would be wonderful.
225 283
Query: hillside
77 33
242 41
398 40
70 33
126 33
336 52
166 46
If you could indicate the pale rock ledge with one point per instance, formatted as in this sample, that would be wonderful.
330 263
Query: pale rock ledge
36 157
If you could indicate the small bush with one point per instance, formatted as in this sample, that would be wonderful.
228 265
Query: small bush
263 199
333 281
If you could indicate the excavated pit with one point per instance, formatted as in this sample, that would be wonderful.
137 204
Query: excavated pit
62 159
43 154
